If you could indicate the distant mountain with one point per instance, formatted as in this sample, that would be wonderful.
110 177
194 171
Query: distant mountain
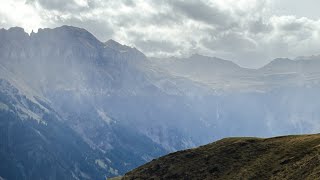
290 157
298 66
106 95
126 109
68 71
224 75
199 67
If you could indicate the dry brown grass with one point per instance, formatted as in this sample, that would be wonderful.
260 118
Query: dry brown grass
286 157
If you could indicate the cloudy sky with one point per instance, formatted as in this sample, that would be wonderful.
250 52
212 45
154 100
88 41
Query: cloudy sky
249 32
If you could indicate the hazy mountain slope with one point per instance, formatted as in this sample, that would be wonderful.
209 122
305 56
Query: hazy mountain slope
225 76
35 144
198 66
290 157
80 75
273 100
105 93
218 74
62 70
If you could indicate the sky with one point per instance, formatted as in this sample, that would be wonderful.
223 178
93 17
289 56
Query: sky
248 32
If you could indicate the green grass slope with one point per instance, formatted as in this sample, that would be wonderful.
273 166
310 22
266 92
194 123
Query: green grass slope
287 157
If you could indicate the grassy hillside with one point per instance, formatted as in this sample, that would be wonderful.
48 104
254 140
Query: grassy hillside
287 157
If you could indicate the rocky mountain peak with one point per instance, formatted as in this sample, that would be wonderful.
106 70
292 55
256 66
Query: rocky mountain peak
14 33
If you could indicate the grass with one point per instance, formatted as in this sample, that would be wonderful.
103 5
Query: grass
286 157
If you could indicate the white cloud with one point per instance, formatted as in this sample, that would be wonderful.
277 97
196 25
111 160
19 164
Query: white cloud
17 13
250 32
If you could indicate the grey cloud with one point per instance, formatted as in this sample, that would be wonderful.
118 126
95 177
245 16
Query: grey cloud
258 26
200 11
129 3
292 30
126 20
153 46
58 5
230 42
166 19
292 26
143 20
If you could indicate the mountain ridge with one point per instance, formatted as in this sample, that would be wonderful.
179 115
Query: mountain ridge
81 31
286 157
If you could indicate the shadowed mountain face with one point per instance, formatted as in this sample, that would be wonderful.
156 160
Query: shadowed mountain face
126 109
291 157
35 144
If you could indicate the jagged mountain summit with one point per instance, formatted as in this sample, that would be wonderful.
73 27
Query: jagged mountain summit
125 109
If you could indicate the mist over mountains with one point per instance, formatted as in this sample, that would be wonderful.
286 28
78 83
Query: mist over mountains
90 109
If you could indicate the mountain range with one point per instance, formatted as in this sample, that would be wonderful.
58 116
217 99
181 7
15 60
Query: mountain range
90 109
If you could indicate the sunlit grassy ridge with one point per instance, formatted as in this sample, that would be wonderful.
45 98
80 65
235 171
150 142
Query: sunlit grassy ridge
286 157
